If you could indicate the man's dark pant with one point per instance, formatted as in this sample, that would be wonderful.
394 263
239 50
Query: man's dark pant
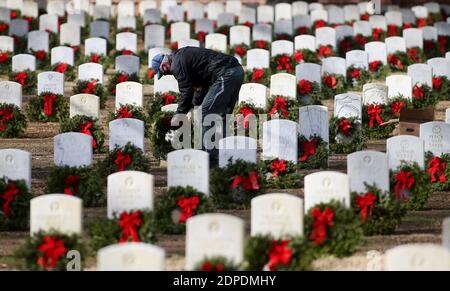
221 99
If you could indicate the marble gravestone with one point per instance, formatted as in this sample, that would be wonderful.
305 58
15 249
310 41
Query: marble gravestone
436 136
280 140
326 186
72 149
11 93
126 130
16 165
253 93
405 148
417 257
129 93
85 104
313 120
348 105
52 82
234 148
374 93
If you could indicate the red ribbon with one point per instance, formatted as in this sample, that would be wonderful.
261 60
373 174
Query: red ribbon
4 57
61 68
127 53
124 113
361 39
302 30
51 250
437 83
395 61
418 92
8 197
201 36
284 63
280 103
90 87
3 27
248 183
330 81
304 87
404 181
40 55
86 129
21 78
355 73
261 44
324 51
278 167
240 51
72 183
345 127
208 267
257 74
246 113
377 34
248 24
122 161
365 17
298 56
309 149
436 166
392 30
279 254
48 104
13 14
397 106
373 66
322 219
366 204
130 224
95 59
187 207
412 53
169 99
6 114
319 23
421 22
374 111
122 78
150 74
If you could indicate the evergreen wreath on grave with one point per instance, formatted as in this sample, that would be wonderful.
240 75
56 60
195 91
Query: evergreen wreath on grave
283 36
333 229
261 44
394 30
439 171
415 56
105 61
380 213
423 96
441 86
241 51
258 75
126 226
398 61
375 116
4 28
245 114
15 205
280 174
130 111
431 48
308 92
435 17
282 64
47 251
87 125
149 77
332 85
127 158
12 121
48 107
124 52
33 23
305 56
20 44
318 24
236 185
28 80
118 78
282 107
378 70
324 51
303 30
357 77
360 41
5 61
293 253
82 182
313 153
42 58
378 34
216 264
346 135
443 44
224 29
411 185
92 87
345 45
176 205
159 100
67 70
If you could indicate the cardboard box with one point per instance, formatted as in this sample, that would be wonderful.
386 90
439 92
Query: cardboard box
410 120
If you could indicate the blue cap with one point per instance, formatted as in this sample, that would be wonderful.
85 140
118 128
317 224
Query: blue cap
156 63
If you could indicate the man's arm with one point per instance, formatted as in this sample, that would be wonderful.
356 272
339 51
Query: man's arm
186 90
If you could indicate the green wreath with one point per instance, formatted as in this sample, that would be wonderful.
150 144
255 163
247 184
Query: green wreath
260 76
236 185
105 61
377 130
306 56
135 160
346 44
415 56
346 135
159 100
378 71
263 252
149 77
439 171
118 78
398 61
12 121
260 44
216 264
282 64
280 174
410 184
282 107
68 72
15 205
356 78
109 231
308 93
313 153
55 259
175 205
5 62
91 87
130 111
441 86
332 85
28 80
380 213
241 51
42 59
343 233
59 109
245 114
85 124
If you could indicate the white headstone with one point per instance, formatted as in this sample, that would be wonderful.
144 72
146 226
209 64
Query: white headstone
417 257
308 71
395 44
129 93
399 85
374 93
126 41
376 51
253 93
16 165
72 149
23 62
405 148
325 186
95 45
334 65
90 71
239 34
62 54
348 105
258 58
237 147
126 130
436 135
154 36
216 41
325 36
305 41
420 74
282 47
413 37
361 167
179 31
166 84
70 34
38 41
52 82
283 84
314 121
85 104
11 93
280 140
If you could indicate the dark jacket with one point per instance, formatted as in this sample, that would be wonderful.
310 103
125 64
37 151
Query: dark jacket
199 68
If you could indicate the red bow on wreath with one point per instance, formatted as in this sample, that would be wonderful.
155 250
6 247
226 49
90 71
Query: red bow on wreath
261 44
322 219
150 74
124 113
355 73
330 81
240 51
324 51
284 63
437 83
397 106
8 197
90 87
40 55
61 68
21 78
13 14
208 267
373 66
395 61
418 92
309 149
130 223
127 53
72 183
304 87
366 204
122 78
374 111
302 30
6 114
412 53
95 58
187 207
4 57
248 183
169 99
257 74
48 104
281 104
345 127
201 36
86 129
392 30
421 22
377 34
361 39
320 23
436 166
246 113
122 161
279 254
442 41
50 251
404 181
278 167
248 24
298 56
3 27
